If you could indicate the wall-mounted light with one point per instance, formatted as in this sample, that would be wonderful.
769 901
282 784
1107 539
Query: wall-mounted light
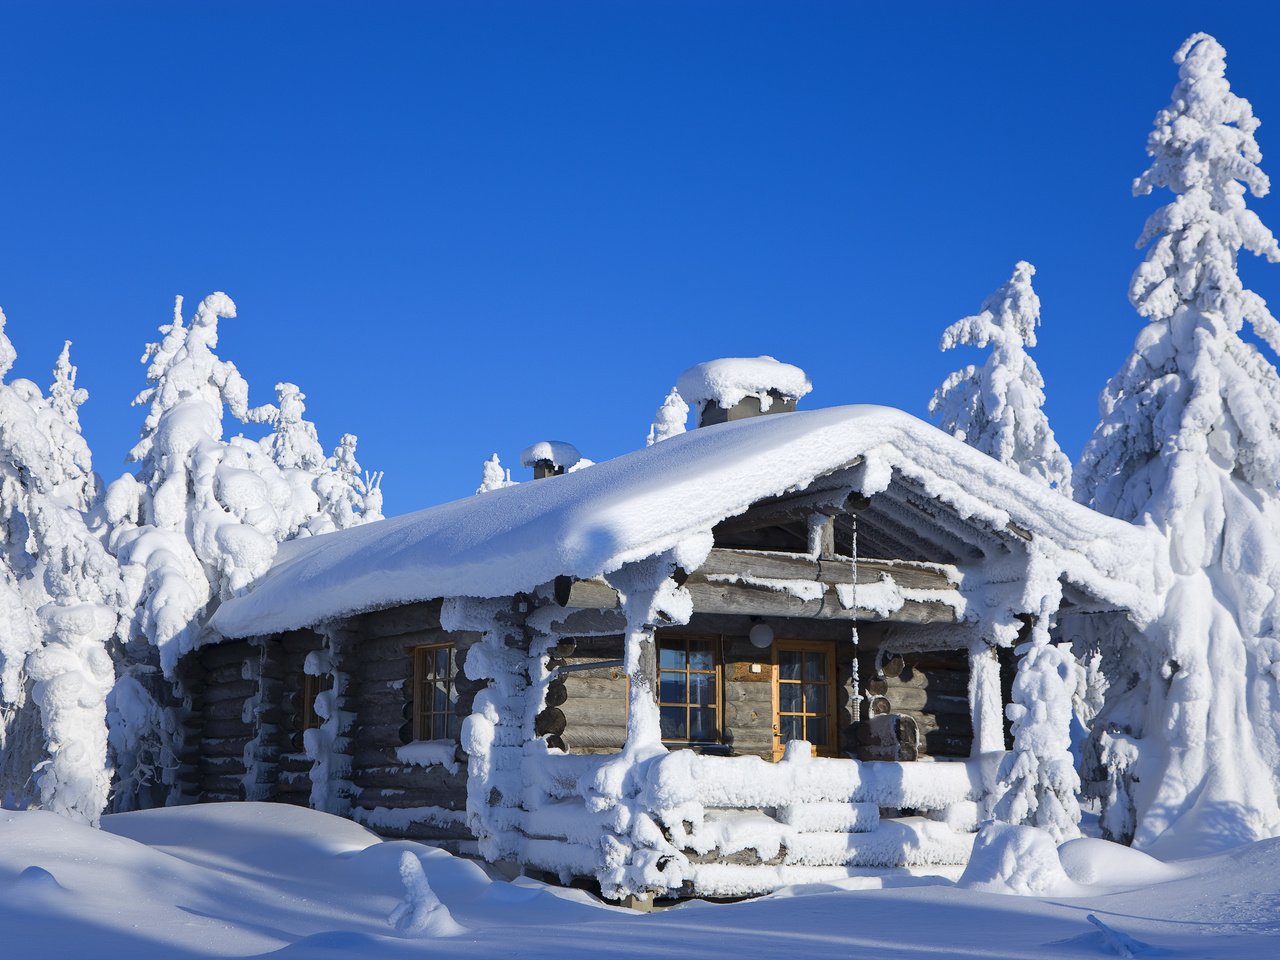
761 635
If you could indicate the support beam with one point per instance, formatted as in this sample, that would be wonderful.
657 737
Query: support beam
754 583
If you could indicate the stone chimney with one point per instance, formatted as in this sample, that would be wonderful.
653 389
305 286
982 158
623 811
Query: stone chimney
550 458
735 388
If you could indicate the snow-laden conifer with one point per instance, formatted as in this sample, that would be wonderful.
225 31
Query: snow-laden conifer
998 407
493 476
670 419
1189 441
60 602
348 496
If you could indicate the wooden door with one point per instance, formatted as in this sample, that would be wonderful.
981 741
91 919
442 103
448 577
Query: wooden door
804 695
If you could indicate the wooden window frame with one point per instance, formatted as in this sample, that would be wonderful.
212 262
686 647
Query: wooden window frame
716 671
424 718
831 749
313 685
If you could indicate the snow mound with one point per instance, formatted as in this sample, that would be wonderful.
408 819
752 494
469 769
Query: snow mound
729 381
1113 865
421 913
1018 860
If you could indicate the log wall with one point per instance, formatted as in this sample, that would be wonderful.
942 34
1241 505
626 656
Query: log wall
395 798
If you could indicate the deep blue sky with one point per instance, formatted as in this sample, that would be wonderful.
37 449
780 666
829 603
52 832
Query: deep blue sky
463 227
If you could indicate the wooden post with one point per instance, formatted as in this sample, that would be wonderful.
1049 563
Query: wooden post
986 701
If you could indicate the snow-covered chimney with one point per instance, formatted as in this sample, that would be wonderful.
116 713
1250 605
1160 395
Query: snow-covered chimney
550 458
735 388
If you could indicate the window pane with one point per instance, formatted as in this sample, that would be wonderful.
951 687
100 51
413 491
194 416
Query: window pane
440 696
701 655
442 662
671 687
790 728
454 723
702 688
815 698
673 723
816 729
702 722
671 657
789 697
789 665
815 667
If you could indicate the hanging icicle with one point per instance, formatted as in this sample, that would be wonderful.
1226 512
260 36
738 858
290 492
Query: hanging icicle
855 695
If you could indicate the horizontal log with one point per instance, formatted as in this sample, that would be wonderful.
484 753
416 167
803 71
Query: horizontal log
224 746
399 619
752 600
950 682
435 796
235 690
223 710
377 734
228 652
898 699
776 565
595 686
373 712
596 737
225 673
225 729
580 712
414 779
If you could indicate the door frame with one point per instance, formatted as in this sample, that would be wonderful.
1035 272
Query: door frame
808 646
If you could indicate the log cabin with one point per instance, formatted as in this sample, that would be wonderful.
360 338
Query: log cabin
774 649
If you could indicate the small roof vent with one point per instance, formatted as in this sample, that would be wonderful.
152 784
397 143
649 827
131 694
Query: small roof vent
735 388
550 458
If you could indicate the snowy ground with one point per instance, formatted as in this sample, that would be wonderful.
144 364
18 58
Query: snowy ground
259 880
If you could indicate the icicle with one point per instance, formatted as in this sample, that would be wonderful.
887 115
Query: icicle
855 694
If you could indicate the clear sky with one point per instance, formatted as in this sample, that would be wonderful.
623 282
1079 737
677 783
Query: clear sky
465 226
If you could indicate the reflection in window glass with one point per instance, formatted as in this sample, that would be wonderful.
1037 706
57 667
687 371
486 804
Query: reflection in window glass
805 694
434 716
688 689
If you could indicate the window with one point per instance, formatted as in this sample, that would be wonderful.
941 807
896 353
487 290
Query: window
312 687
804 696
434 717
689 689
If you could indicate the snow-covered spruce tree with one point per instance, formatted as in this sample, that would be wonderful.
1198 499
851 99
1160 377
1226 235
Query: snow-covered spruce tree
998 407
1038 782
670 419
494 477
201 519
62 599
329 493
1189 442
198 522
348 497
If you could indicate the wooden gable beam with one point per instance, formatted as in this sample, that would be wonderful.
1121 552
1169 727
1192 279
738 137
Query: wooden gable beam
767 583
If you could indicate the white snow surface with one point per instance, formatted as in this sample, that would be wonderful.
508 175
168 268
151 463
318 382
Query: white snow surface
591 522
731 380
273 880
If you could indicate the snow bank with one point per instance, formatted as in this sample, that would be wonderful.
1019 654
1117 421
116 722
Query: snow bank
1015 859
650 500
275 880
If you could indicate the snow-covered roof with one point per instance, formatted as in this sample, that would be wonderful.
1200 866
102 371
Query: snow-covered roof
593 521
730 380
